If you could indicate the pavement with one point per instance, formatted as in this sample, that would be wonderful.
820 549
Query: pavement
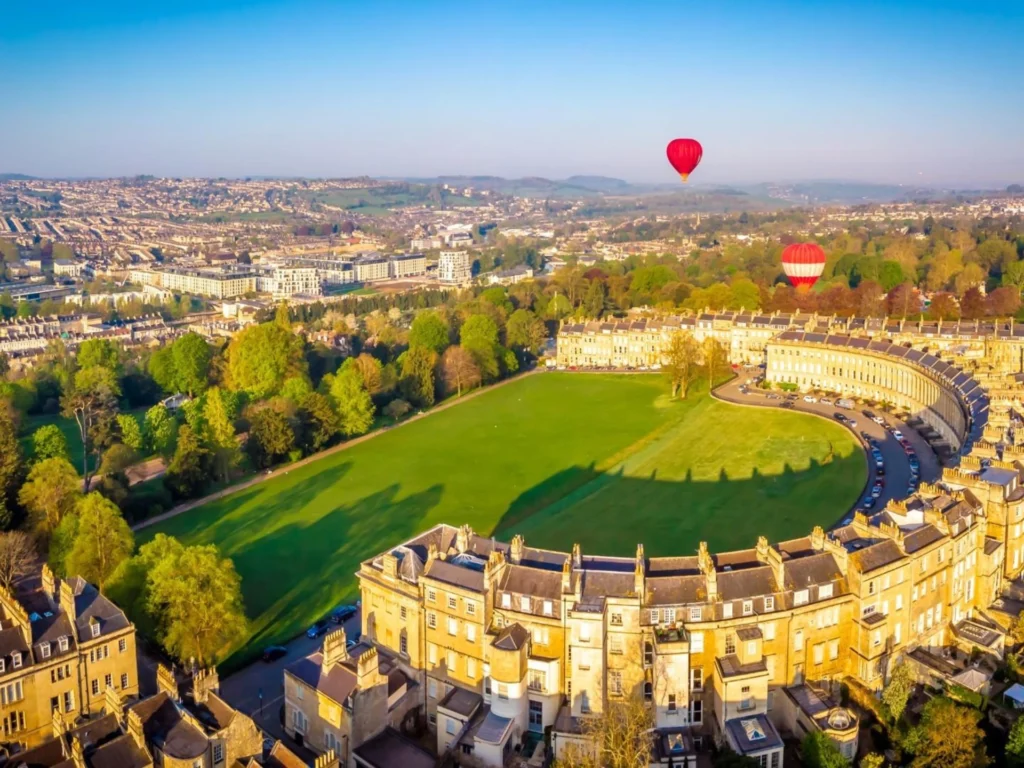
258 689
897 465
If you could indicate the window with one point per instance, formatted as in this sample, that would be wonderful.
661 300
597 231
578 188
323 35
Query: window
824 591
502 691
95 687
95 629
450 727
833 649
44 650
748 607
615 682
671 703
798 640
616 620
124 680
218 753
697 642
471 632
432 688
548 608
470 609
537 680
506 600
299 722
431 619
453 661
432 595
726 610
746 700
819 653
730 644
696 679
769 603
655 615
453 627
62 643
768 630
108 681
696 712
69 701
899 602
403 644
871 587
11 693
695 613
453 602
670 615
524 604
615 645
648 691
876 638
585 633
800 597
649 652
431 653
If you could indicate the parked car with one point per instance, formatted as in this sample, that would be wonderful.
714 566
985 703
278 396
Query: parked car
825 401
876 491
868 502
810 399
852 423
317 629
868 414
839 417
274 652
897 434
878 420
343 612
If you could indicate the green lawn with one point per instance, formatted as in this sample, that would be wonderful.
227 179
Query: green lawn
69 427
605 460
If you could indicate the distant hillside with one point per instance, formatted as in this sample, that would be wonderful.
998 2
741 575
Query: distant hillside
573 188
844 192
16 177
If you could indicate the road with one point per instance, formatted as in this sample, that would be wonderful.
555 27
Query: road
897 466
244 688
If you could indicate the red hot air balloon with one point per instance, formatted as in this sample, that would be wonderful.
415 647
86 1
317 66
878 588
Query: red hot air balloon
684 155
803 263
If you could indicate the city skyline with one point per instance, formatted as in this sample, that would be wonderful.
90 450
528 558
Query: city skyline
907 93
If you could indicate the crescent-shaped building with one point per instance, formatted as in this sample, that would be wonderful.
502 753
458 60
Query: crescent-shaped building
503 642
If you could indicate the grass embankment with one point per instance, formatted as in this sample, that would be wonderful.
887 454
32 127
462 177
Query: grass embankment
606 460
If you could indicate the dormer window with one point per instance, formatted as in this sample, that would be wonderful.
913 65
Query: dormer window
16 660
824 591
62 643
3 665
94 628
44 650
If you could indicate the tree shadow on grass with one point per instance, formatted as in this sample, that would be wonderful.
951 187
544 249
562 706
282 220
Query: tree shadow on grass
610 513
297 573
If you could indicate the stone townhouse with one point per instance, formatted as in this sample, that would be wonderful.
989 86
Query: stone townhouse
61 647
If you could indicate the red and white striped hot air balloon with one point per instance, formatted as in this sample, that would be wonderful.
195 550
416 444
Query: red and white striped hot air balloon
803 263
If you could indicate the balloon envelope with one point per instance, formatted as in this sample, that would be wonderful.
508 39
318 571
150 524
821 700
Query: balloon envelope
684 155
803 263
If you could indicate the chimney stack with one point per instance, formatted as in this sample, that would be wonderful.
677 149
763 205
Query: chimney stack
335 648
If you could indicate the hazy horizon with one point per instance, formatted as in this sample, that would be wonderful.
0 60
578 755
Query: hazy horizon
912 93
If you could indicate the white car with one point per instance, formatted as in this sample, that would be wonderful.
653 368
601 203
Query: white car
826 401
897 434
878 420
810 399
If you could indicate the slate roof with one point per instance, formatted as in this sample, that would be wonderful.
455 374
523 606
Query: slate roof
389 749
337 683
164 726
511 638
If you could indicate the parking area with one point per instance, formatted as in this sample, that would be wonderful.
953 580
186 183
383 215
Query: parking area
894 480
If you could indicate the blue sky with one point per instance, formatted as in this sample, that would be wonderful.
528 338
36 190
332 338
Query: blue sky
905 92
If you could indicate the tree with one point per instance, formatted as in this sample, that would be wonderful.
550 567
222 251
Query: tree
195 596
159 430
948 737
219 417
459 369
902 301
872 760
594 301
819 751
100 352
429 331
618 738
295 389
943 307
187 473
396 409
897 692
191 356
49 442
371 371
1013 275
526 331
50 492
161 368
17 558
270 436
131 432
683 362
1014 744
417 377
1003 302
1016 630
318 422
114 482
972 276
261 357
479 337
715 359
353 403
91 402
103 542
726 758
11 470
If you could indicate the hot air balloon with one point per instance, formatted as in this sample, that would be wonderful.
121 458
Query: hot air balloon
684 155
803 263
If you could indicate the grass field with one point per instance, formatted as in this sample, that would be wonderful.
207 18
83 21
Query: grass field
605 460
70 429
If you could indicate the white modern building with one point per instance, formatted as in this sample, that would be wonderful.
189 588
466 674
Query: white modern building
455 267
